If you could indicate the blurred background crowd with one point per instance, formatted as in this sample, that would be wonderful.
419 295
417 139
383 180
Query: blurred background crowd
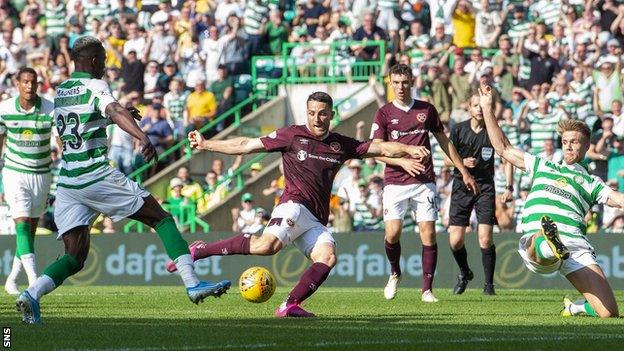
183 63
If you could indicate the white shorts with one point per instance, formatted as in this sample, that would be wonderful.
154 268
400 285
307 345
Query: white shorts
581 255
26 193
421 198
116 196
293 223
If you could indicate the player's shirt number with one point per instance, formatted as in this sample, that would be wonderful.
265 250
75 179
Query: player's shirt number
72 139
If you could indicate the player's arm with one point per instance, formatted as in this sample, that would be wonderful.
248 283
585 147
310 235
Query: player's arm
125 120
234 146
393 149
450 151
498 139
508 194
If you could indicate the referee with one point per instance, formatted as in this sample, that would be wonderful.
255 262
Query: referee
473 145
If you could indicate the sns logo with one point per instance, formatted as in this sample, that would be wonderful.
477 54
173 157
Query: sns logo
302 155
394 134
6 337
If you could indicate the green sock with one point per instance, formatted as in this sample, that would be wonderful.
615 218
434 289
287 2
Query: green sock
171 238
62 268
25 241
589 310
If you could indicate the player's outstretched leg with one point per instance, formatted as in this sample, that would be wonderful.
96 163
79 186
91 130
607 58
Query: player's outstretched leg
153 215
236 245
456 241
392 245
76 243
324 257
598 296
580 307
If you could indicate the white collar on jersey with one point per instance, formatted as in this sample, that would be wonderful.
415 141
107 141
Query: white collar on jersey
401 106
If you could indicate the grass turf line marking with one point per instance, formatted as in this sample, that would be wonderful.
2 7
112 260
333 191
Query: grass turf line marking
364 343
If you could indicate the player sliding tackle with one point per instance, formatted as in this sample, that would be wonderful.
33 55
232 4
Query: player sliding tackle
88 185
552 219
312 155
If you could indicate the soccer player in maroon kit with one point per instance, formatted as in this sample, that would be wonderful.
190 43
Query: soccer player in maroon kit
312 155
409 121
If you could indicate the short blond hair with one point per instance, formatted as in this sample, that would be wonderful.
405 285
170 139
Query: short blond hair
574 125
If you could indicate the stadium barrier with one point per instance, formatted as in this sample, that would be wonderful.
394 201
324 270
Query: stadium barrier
119 259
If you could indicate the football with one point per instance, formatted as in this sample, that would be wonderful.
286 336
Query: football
256 284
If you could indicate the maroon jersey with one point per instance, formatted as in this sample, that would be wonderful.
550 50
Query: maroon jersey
310 165
410 127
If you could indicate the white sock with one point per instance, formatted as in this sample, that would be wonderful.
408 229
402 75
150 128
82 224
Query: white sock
185 267
28 261
42 286
578 307
546 251
15 271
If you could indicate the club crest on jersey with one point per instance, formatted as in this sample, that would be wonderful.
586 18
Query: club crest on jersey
561 183
421 117
486 153
394 134
335 146
302 155
394 121
578 179
273 134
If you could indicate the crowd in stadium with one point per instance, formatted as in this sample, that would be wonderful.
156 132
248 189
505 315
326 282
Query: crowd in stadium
179 62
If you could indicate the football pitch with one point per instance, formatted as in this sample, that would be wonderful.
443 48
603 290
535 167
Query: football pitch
162 318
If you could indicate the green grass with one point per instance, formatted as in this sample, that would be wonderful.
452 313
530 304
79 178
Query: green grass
162 318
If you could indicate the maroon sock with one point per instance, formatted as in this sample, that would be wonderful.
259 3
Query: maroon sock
429 262
393 251
311 279
236 245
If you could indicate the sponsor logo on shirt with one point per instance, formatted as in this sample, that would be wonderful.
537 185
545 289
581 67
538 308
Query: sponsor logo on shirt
304 141
486 153
27 135
421 117
69 92
395 134
561 183
303 155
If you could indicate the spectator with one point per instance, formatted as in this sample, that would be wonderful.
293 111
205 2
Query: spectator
543 66
459 90
166 76
349 188
608 82
150 80
244 218
201 107
255 169
276 189
235 53
542 125
223 89
154 124
175 103
277 32
367 214
121 151
255 17
551 153
369 31
505 67
440 41
488 25
464 25
160 45
600 148
132 71
616 164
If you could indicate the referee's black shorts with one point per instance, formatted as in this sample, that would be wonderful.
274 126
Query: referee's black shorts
464 200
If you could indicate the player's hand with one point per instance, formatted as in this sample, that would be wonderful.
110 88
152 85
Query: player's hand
196 139
135 113
418 152
485 97
470 162
507 196
412 166
471 184
148 150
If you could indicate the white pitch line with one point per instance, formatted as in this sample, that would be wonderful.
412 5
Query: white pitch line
371 342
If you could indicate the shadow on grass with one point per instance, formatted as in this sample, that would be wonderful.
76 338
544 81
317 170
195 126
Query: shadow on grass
369 333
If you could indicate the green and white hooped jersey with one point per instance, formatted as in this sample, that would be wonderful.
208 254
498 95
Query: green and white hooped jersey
27 135
563 192
79 112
